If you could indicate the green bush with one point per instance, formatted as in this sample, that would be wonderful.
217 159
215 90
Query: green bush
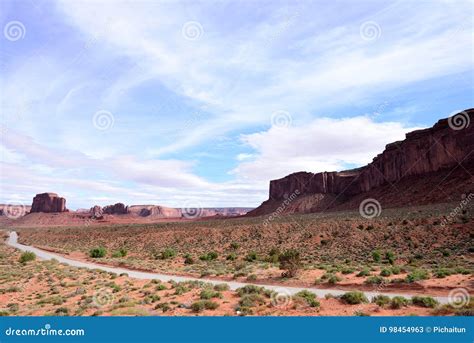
202 305
62 311
398 302
381 300
209 256
364 272
234 245
188 259
222 287
385 272
250 289
231 257
390 257
354 297
27 256
208 293
424 301
416 275
396 270
251 256
251 300
98 252
122 252
290 262
308 297
376 256
167 254
331 278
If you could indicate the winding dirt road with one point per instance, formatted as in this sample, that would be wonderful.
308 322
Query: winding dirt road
45 255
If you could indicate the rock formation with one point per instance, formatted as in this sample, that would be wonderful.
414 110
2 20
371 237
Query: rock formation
117 208
48 202
96 212
448 143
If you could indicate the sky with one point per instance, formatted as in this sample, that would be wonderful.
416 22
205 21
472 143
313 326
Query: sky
202 103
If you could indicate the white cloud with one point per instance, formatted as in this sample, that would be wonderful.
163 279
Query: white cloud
323 145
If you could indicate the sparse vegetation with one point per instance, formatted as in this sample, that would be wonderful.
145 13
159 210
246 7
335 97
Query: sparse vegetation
98 252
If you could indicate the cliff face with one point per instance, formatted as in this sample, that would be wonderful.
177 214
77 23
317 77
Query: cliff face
449 142
48 202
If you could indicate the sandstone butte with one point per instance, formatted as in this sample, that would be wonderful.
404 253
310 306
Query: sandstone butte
48 202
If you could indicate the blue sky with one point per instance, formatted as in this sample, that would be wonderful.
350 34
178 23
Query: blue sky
202 103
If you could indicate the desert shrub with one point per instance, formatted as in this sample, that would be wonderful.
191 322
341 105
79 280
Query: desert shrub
290 262
396 270
202 305
231 257
122 252
442 273
98 252
208 293
385 272
354 297
160 287
376 255
222 287
417 274
27 256
209 256
251 300
181 289
374 280
273 255
188 259
250 289
308 297
251 256
252 277
163 307
398 302
234 245
347 270
13 307
424 301
331 278
390 257
167 254
364 272
381 300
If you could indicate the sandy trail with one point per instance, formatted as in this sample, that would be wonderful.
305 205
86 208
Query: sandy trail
45 255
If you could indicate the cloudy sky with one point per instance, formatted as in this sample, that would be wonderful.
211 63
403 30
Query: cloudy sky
187 103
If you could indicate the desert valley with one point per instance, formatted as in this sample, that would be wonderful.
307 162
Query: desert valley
395 237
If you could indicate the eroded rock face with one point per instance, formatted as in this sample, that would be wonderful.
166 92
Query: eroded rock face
118 208
96 212
48 202
423 151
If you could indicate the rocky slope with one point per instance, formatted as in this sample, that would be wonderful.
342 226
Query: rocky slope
442 153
